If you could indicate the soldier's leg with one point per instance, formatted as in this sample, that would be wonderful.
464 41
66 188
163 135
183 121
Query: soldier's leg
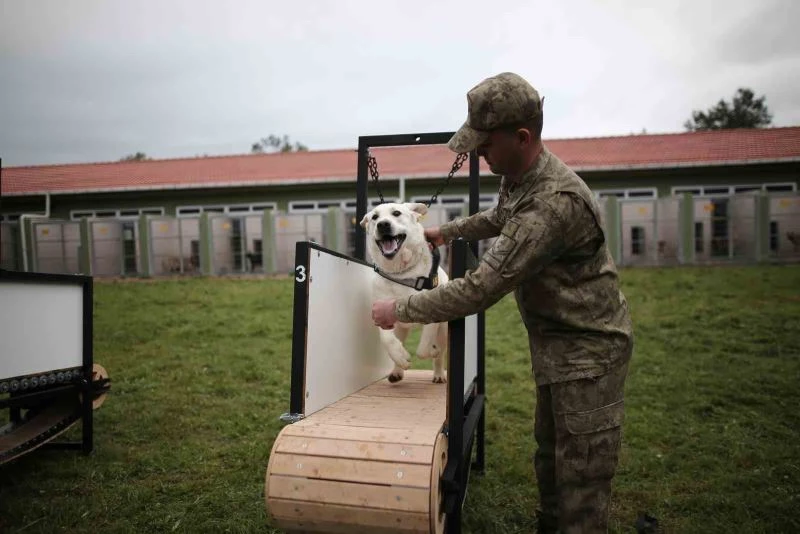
588 418
544 430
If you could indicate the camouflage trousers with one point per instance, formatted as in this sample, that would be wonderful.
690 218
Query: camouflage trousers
578 430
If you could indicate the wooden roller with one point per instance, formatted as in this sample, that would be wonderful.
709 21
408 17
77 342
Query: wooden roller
369 463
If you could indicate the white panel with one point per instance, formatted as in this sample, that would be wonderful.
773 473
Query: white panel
343 351
41 327
470 350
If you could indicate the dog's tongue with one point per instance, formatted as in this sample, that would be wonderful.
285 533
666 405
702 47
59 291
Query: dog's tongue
389 245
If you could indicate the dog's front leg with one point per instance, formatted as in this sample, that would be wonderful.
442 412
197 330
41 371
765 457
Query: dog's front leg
439 376
392 341
430 345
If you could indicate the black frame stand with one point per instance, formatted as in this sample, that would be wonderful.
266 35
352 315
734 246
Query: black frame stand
465 425
71 382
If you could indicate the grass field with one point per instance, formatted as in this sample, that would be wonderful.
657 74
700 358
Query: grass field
200 372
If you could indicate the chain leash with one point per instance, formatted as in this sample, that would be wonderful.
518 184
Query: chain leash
373 170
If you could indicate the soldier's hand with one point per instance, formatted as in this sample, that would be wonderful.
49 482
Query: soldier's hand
434 235
383 314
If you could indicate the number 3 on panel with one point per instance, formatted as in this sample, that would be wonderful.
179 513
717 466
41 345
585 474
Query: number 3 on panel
301 273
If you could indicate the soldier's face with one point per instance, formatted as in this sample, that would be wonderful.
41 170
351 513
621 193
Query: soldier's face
503 153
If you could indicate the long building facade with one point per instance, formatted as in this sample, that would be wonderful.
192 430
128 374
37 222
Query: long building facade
720 196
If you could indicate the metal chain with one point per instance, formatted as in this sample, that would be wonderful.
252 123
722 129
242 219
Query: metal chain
460 159
373 169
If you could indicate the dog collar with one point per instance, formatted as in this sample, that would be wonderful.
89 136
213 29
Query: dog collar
421 282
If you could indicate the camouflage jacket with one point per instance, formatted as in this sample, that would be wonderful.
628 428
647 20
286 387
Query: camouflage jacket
551 251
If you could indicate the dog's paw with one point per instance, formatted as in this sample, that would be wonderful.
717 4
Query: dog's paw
400 357
396 375
439 378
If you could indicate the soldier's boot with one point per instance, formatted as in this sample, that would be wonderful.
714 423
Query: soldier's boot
546 523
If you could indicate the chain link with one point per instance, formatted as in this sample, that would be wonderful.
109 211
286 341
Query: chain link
372 164
373 170
460 159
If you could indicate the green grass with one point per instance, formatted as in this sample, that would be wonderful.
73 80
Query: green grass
200 372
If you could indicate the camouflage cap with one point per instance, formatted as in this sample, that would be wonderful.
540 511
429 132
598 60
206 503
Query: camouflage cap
498 101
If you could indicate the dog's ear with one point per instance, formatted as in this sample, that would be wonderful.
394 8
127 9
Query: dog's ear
365 221
418 208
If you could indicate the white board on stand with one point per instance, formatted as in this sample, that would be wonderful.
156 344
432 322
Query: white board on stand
470 351
343 350
41 327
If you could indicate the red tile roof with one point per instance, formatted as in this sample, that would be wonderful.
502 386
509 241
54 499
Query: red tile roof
719 147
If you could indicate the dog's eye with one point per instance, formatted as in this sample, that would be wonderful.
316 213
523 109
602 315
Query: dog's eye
374 216
396 213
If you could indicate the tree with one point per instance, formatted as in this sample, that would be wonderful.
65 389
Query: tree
745 111
139 156
274 143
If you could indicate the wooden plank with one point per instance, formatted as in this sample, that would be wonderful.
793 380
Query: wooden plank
346 493
377 421
388 402
374 404
400 394
350 470
364 450
404 385
411 436
387 414
422 398
397 416
315 517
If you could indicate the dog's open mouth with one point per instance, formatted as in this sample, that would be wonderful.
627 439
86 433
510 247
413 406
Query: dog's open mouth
390 244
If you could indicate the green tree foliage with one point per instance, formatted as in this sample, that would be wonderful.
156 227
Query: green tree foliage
273 143
139 156
745 111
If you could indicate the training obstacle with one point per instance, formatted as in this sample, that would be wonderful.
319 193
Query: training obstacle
361 454
370 462
48 379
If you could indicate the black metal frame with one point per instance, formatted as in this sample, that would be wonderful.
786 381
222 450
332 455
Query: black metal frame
299 329
17 400
466 416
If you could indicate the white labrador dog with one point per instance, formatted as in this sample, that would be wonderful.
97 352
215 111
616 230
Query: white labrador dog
396 243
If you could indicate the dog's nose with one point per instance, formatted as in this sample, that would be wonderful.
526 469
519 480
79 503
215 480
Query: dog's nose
384 227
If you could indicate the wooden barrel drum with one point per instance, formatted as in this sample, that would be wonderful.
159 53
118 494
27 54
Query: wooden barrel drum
369 463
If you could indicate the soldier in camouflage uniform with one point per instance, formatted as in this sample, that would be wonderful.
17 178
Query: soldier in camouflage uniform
551 251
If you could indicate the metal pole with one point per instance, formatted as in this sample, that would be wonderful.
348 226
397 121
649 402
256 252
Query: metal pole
455 469
88 365
361 198
474 207
474 190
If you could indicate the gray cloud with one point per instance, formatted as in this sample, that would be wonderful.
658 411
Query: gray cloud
769 35
89 80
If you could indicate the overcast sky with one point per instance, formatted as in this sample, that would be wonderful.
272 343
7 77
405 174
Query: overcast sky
88 80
